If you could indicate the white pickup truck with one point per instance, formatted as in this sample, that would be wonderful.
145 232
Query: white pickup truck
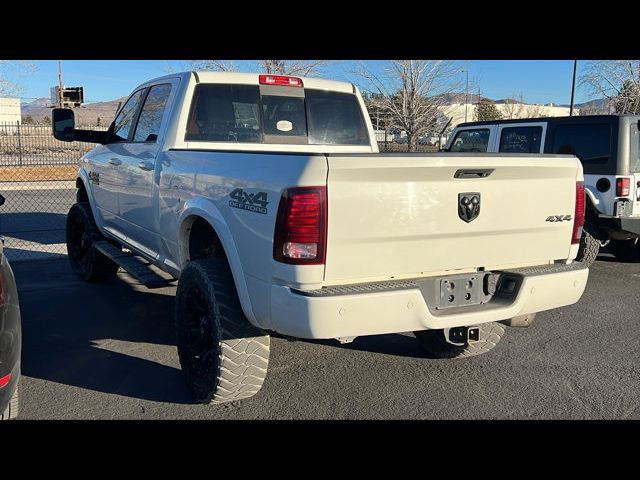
267 198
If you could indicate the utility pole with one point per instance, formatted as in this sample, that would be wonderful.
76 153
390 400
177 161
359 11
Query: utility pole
573 86
466 95
59 83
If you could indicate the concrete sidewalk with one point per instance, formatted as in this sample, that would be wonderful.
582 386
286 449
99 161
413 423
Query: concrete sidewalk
38 185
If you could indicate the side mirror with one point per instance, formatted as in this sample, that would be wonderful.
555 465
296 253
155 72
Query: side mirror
1 200
63 124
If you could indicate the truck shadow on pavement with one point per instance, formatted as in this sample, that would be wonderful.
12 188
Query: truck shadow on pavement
34 226
395 344
97 336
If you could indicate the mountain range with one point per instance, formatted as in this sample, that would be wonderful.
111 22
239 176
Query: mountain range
102 113
86 115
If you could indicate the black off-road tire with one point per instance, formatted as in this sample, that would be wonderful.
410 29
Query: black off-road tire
433 341
81 232
626 250
223 356
589 245
11 412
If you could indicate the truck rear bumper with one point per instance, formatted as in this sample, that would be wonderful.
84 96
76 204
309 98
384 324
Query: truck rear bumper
393 307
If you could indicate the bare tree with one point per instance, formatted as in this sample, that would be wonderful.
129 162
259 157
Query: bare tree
513 107
595 108
615 80
305 68
10 72
215 65
534 111
410 92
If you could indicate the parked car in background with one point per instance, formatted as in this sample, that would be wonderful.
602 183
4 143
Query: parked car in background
608 147
10 339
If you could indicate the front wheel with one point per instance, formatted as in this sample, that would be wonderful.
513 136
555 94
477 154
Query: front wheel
223 356
435 343
626 250
87 262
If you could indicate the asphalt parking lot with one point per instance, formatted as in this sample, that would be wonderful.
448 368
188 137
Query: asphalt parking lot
106 351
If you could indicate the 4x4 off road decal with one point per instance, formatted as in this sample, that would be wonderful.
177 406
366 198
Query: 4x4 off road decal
94 178
253 202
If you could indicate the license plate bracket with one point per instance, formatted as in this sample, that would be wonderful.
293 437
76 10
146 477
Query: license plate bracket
458 291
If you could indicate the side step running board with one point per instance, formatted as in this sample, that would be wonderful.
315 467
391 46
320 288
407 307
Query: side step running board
135 266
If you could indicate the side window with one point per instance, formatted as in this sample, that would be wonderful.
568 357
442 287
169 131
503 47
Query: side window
591 143
475 140
124 120
520 139
148 127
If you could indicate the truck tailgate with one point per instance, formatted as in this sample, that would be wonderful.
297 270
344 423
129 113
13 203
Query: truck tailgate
398 215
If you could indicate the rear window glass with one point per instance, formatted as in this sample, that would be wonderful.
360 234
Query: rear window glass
225 113
335 118
591 143
634 161
238 113
520 139
284 116
475 140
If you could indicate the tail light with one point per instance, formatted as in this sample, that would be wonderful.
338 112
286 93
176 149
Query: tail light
5 380
578 217
300 235
623 187
283 80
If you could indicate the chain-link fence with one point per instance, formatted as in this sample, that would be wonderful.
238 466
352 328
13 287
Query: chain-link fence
403 147
37 179
23 145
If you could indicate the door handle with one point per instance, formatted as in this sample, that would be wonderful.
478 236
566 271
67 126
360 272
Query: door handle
115 161
473 173
145 166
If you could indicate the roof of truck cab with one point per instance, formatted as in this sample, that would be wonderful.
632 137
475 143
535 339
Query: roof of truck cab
252 79
576 118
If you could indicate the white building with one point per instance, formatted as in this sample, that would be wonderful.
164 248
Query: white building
10 110
508 111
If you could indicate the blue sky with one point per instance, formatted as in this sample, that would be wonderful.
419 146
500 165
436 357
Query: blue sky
540 81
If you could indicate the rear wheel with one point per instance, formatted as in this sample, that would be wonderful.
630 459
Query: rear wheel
589 243
223 356
626 250
11 411
87 262
435 343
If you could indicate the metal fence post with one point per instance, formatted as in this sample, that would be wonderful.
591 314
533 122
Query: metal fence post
19 143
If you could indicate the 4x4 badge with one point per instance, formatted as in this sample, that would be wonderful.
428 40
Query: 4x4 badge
252 202
469 206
